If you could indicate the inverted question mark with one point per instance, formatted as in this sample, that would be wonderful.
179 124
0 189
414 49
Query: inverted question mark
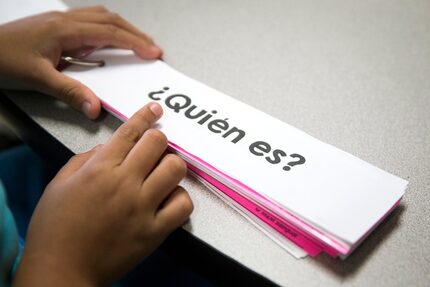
152 94
301 160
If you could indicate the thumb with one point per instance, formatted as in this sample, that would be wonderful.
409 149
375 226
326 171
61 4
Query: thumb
68 90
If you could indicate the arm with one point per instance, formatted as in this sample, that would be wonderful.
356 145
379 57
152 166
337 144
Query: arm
110 207
106 209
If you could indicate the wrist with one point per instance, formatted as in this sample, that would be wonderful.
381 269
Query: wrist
45 270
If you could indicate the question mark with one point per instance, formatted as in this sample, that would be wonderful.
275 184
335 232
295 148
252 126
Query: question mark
289 165
152 94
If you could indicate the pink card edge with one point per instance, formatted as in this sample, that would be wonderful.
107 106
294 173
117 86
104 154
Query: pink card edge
341 248
328 243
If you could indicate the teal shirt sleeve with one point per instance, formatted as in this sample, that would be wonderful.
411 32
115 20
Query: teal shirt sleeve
9 242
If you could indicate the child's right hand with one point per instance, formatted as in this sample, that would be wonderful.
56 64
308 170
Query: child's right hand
106 209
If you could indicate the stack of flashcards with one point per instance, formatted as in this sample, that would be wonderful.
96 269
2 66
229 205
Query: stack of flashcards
295 188
291 185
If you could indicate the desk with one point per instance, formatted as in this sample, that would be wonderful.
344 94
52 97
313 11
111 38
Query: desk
354 74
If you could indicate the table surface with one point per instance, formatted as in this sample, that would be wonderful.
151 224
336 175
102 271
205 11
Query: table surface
354 74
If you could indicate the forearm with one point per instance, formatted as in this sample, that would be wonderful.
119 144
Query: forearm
49 271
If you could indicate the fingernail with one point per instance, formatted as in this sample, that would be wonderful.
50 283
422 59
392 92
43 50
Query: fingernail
156 109
86 108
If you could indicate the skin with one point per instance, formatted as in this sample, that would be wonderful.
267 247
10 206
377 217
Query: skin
31 48
108 208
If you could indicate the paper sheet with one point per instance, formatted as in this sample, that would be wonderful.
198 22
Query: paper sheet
325 186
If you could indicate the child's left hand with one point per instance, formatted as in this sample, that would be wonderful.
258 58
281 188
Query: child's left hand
31 48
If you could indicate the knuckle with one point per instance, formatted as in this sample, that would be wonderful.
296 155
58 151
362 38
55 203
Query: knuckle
176 165
129 133
97 147
35 73
185 204
158 137
69 93
145 115
143 119
111 29
56 18
96 169
114 17
76 157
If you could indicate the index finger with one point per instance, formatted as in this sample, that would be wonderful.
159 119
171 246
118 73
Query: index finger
129 133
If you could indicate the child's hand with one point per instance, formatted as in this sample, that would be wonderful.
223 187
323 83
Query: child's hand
31 48
106 209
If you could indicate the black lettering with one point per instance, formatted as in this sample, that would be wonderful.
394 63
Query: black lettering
205 118
176 106
195 116
277 154
259 148
222 125
240 134
152 94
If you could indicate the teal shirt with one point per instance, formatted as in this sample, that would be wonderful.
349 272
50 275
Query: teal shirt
9 241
